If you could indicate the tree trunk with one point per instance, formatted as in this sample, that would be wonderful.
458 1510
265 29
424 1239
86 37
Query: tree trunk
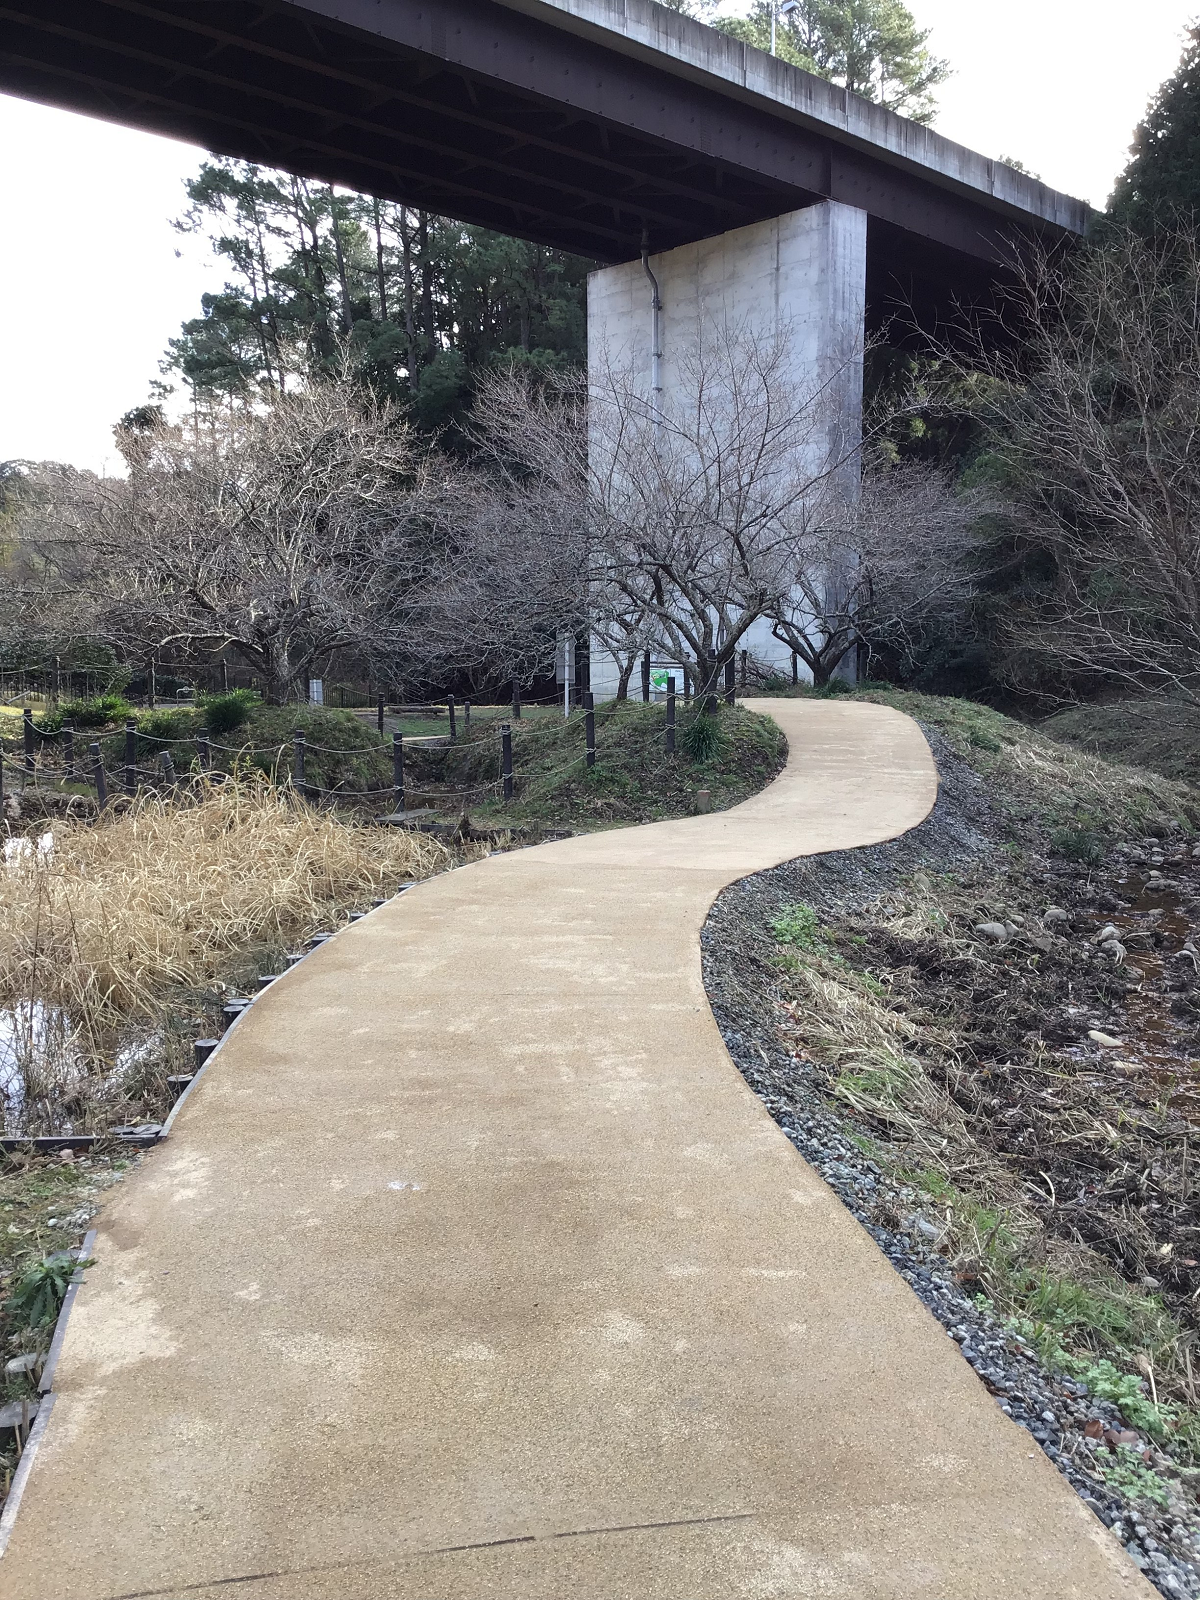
383 309
339 256
410 320
426 286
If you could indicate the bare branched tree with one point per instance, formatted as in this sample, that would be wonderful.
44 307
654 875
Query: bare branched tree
512 577
283 535
700 501
1097 418
904 557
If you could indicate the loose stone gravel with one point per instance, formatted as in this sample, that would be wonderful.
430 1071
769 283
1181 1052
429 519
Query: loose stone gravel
738 950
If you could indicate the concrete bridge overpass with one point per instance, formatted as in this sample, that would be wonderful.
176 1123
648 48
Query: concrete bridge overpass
577 123
765 196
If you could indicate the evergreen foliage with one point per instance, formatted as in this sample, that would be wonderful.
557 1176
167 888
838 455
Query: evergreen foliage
873 48
319 279
1161 184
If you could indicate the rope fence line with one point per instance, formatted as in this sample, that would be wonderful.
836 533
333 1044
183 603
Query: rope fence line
88 767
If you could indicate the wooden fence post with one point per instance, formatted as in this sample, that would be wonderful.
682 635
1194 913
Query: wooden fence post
710 687
27 730
516 701
298 760
68 739
131 757
589 724
168 767
506 759
453 721
795 669
98 775
398 772
379 710
671 716
646 678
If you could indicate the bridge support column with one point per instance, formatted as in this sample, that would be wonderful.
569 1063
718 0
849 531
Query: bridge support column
799 277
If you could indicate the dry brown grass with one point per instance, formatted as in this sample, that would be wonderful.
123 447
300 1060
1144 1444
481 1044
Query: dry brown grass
164 894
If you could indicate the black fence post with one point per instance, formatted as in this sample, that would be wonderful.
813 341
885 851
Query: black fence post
516 701
646 677
745 665
589 725
298 760
131 757
168 767
453 719
203 753
68 739
710 685
795 669
98 775
671 716
687 684
27 730
379 710
398 772
729 683
506 755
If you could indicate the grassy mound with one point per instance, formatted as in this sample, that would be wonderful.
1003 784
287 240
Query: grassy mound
633 780
1163 735
343 752
1042 787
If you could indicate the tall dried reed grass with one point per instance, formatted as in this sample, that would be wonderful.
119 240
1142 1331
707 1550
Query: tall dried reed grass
120 911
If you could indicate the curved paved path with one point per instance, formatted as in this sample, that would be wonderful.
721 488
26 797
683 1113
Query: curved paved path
473 1271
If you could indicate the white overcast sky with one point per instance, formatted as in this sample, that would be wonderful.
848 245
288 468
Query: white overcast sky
93 280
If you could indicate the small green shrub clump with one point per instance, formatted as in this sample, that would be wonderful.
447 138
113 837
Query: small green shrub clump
703 738
40 1291
797 925
1084 845
1130 1476
225 713
100 712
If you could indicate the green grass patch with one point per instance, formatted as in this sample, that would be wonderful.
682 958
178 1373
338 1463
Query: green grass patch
634 779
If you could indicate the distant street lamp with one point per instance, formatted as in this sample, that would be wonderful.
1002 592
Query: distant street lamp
783 9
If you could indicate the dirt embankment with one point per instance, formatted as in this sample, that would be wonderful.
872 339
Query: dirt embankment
1163 735
1013 1112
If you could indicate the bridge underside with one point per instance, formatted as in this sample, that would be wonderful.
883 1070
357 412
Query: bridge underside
476 111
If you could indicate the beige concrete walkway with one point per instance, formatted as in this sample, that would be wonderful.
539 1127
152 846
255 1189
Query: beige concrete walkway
473 1271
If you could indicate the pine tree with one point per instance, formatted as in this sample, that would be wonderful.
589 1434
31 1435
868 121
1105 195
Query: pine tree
416 302
1161 184
871 47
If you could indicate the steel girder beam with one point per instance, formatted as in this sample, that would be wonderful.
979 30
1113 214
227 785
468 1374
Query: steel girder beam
473 110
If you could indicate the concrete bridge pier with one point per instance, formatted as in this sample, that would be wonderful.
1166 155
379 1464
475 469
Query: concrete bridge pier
799 279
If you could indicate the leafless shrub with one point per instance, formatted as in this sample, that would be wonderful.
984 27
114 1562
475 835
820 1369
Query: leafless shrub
284 534
1096 417
883 568
700 499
